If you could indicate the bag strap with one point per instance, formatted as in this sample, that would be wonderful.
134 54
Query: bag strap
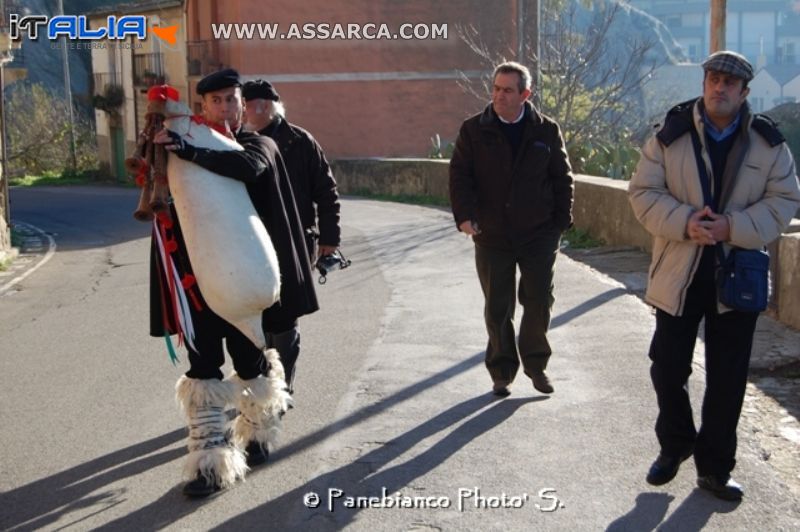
705 183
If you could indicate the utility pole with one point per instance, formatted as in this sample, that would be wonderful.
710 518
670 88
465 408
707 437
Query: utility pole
529 21
718 8
68 92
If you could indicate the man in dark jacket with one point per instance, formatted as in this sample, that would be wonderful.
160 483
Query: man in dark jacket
203 394
315 193
511 190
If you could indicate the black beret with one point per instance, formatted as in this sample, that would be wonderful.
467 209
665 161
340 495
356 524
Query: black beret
219 80
729 63
260 88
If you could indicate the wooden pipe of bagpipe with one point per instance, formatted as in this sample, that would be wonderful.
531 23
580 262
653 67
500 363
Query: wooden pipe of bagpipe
160 195
133 164
138 166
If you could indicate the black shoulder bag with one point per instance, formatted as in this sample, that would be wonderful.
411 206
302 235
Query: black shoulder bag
742 276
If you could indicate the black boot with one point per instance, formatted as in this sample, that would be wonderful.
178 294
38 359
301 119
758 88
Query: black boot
257 454
201 487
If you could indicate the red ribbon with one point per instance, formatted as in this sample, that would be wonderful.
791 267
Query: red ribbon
165 219
162 93
219 128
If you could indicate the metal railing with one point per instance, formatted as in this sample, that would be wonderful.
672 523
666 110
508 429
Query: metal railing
203 57
104 79
148 70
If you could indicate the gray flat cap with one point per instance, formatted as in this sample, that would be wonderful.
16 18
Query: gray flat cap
729 63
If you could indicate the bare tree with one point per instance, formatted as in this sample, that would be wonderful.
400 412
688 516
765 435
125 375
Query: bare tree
591 75
37 128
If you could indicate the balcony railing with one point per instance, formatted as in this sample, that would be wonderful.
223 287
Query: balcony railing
148 70
204 57
105 79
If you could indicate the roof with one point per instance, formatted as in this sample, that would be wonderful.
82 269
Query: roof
783 74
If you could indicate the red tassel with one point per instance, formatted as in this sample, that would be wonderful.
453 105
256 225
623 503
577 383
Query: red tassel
165 219
171 246
161 93
195 300
188 281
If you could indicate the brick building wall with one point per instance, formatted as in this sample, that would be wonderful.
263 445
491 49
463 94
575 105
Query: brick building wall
362 97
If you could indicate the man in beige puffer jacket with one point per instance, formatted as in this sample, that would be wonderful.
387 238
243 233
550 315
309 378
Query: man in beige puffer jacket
755 193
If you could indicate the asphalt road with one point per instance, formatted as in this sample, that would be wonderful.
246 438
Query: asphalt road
392 400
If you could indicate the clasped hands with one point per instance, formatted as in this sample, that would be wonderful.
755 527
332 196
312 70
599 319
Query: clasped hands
707 228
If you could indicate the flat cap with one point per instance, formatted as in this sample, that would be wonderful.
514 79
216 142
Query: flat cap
219 80
729 63
260 88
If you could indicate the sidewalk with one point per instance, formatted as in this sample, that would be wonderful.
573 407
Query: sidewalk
34 250
772 403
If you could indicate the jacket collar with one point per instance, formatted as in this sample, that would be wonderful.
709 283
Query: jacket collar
489 118
741 145
281 132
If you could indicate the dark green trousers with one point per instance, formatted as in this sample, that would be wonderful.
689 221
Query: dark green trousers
497 271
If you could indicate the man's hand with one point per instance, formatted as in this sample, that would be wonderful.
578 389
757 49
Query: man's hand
469 227
706 228
174 143
718 226
324 251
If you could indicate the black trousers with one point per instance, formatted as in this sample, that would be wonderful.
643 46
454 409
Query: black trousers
206 360
497 269
287 343
729 340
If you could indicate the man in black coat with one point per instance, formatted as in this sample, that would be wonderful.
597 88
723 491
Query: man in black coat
201 391
511 190
315 193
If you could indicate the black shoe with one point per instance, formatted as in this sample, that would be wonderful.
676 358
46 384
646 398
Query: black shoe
500 388
256 454
665 468
541 382
724 488
200 487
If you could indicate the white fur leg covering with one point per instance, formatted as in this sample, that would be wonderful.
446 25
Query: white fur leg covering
203 402
261 403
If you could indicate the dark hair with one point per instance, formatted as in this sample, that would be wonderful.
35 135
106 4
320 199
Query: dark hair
512 67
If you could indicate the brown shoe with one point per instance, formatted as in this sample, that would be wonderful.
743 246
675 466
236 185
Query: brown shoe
541 382
500 388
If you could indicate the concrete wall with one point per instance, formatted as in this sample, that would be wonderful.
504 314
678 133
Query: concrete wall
414 177
788 285
601 208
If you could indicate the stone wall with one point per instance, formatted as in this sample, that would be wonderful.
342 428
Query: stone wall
601 208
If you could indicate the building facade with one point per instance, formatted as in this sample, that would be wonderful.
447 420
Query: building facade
767 32
124 71
358 96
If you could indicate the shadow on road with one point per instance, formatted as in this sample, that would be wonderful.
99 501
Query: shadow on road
357 479
650 509
44 501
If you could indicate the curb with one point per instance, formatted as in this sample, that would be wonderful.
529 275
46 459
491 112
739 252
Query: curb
36 248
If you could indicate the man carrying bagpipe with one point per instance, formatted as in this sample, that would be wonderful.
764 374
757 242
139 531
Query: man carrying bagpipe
257 389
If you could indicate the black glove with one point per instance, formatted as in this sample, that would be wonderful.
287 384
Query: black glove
181 148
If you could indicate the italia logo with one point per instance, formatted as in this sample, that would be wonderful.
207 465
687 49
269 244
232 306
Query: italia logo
77 28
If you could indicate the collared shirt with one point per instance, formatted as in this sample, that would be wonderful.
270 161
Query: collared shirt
521 114
718 135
